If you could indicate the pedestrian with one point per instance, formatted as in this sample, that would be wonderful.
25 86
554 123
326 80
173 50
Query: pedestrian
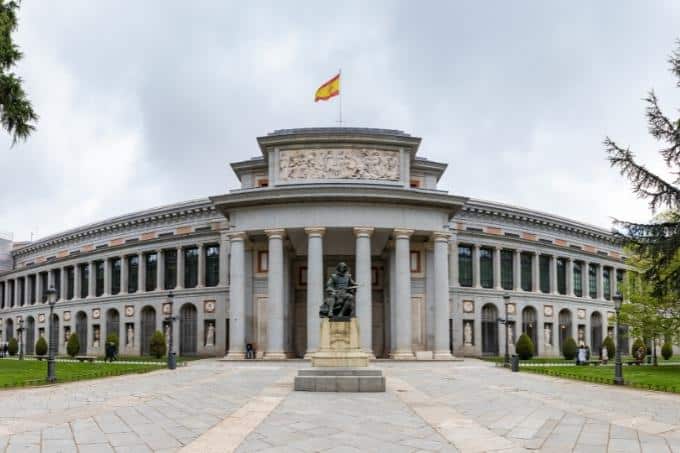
604 355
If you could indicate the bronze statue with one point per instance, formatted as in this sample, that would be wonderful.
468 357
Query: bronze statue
340 289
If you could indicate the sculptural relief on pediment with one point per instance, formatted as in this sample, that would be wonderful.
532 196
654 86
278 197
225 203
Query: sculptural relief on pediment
348 163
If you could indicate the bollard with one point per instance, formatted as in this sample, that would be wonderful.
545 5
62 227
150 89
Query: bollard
515 363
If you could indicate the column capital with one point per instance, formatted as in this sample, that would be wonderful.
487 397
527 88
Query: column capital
363 231
441 236
275 233
402 233
238 236
315 231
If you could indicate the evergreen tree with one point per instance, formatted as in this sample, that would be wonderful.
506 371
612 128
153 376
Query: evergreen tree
41 347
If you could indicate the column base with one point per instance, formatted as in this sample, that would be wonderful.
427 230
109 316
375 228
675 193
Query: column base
402 355
308 355
370 354
235 355
443 355
274 356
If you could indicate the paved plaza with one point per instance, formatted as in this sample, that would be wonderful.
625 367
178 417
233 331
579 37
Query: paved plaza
250 407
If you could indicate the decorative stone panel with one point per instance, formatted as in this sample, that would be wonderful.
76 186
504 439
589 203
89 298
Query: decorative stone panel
184 230
494 230
153 235
340 163
529 236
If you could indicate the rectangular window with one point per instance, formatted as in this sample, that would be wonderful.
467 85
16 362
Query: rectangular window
84 280
607 283
464 265
133 273
578 279
507 273
170 266
592 281
526 263
22 287
212 265
12 288
43 286
486 267
70 282
115 276
2 294
544 271
32 281
415 261
262 261
620 273
191 267
56 275
561 275
99 278
151 270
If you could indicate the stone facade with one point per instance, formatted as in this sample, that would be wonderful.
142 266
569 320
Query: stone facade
249 266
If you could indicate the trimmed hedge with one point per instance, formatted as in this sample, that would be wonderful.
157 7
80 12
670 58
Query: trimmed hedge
12 346
524 347
157 346
41 347
611 347
73 345
667 351
637 344
569 349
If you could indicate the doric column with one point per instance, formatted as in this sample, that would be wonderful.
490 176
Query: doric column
402 306
160 270
76 283
441 295
141 272
517 270
180 268
16 292
201 266
553 274
453 261
224 258
585 278
314 285
535 272
475 266
600 281
27 289
570 277
237 297
497 268
107 277
364 300
63 284
92 280
275 298
613 284
124 275
50 280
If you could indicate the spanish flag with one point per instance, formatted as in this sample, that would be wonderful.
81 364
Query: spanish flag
328 89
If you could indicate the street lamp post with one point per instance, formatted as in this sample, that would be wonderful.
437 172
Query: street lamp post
506 300
21 338
170 319
618 367
51 363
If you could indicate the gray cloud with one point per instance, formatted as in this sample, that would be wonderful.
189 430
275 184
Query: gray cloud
146 103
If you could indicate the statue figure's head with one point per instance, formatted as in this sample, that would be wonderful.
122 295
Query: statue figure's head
342 268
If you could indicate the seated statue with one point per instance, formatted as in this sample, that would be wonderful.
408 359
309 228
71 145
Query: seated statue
340 289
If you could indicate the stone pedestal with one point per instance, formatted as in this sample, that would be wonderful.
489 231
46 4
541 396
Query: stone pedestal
340 365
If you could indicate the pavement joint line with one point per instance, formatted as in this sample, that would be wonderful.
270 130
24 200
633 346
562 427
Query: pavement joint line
233 429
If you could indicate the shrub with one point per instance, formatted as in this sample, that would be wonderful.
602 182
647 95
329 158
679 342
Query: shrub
667 350
569 349
157 346
524 347
12 346
611 348
113 338
41 346
637 344
73 345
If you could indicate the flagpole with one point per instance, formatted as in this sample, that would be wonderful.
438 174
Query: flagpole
340 98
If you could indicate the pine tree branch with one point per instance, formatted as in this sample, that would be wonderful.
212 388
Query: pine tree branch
645 184
674 60
661 128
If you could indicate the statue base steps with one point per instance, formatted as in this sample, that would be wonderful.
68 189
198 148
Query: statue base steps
340 380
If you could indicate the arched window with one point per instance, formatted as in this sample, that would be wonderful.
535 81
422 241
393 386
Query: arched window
187 330
148 327
489 329
530 326
113 323
30 335
595 332
81 331
565 326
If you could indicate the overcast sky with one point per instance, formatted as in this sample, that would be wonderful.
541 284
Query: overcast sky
145 103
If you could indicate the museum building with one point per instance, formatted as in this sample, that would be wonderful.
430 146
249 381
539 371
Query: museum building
249 267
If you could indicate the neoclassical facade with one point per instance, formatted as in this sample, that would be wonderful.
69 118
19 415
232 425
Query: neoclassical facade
249 266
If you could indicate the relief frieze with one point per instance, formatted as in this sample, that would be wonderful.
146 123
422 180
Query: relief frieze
348 163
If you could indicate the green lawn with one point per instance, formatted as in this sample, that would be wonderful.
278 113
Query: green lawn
499 359
663 378
16 373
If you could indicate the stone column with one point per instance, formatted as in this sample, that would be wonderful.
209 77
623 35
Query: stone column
553 274
614 285
160 270
570 277
50 280
275 297
124 275
201 266
27 288
600 282
92 280
535 272
453 262
16 292
315 293
237 298
441 295
475 266
76 283
517 270
402 305
141 272
107 277
63 284
497 268
224 258
180 268
364 299
585 278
